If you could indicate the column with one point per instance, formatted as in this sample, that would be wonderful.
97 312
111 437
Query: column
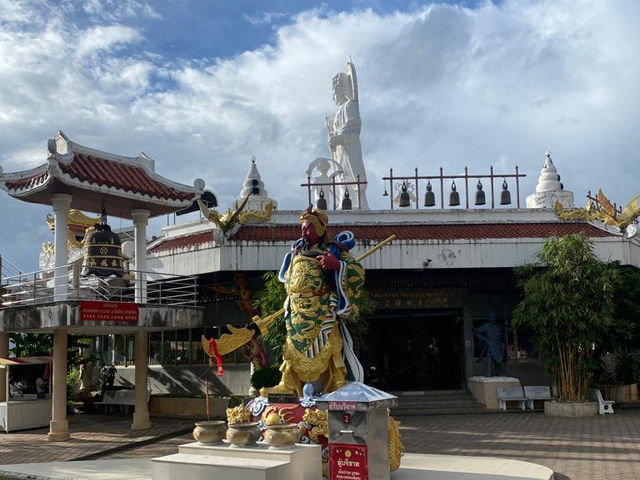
4 353
141 412
59 427
61 204
140 220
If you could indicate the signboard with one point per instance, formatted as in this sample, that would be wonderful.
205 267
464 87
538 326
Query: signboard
343 405
393 298
348 462
286 398
109 312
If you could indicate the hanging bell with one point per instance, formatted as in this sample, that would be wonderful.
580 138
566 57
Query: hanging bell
505 195
385 194
346 201
454 197
480 196
429 197
102 250
405 200
321 204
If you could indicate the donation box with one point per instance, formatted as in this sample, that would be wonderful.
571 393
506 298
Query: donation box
358 435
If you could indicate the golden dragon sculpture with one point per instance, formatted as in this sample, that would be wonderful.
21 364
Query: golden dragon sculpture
605 213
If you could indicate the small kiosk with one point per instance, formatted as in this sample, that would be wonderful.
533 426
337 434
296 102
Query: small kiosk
21 411
358 435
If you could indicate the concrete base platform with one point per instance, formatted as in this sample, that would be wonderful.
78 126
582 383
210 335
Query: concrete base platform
196 461
414 467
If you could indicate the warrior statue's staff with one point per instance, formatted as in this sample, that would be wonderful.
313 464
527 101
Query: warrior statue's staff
237 337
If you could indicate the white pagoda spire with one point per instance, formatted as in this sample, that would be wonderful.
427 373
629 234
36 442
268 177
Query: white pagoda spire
549 189
253 187
549 180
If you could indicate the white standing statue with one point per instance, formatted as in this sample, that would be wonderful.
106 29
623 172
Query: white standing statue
344 134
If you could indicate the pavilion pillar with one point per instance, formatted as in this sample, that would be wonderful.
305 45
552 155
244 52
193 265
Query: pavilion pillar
59 427
140 220
61 204
4 353
141 412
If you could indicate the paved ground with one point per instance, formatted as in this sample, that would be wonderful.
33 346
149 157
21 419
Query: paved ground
603 447
92 436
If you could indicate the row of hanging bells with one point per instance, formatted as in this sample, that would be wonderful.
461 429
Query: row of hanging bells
321 203
454 196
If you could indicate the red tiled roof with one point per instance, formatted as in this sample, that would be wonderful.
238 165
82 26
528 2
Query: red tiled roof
274 233
183 242
430 232
122 176
28 182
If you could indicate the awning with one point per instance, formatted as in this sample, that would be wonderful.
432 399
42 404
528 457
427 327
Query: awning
9 362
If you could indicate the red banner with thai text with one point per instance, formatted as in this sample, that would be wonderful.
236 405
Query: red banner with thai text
348 462
111 312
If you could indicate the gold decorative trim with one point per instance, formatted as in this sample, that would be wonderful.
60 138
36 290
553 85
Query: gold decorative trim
76 217
604 211
396 449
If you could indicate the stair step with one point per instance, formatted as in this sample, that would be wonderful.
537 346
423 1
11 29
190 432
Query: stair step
437 402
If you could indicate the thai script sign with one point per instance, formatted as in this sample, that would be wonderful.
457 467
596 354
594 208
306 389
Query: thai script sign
343 405
348 462
110 312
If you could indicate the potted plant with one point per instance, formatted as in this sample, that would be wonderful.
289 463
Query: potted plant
568 303
626 374
241 431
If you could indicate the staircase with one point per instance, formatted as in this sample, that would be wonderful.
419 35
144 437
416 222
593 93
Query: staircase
437 402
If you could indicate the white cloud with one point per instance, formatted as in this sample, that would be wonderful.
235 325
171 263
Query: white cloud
116 10
264 18
441 85
104 39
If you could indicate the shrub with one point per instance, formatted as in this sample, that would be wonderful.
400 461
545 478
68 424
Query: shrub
265 377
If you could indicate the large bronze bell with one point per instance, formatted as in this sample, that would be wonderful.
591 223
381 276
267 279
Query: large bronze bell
480 196
346 201
454 197
405 198
505 195
321 204
429 197
102 251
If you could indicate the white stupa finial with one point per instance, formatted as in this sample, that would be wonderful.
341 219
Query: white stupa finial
549 190
253 184
549 180
253 187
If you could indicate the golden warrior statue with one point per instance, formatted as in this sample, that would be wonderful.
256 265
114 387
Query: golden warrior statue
322 281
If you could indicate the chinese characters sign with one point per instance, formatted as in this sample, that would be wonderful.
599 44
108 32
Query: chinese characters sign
110 312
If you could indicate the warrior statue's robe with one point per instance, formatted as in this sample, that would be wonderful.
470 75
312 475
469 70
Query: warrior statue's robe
318 345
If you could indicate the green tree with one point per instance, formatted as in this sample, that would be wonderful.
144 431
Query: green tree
271 298
569 304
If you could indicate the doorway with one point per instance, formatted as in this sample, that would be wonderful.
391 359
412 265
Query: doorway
413 351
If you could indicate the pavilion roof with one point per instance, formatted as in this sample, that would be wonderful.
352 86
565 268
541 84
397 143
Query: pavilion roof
94 178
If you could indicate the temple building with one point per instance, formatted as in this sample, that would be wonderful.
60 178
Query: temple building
148 302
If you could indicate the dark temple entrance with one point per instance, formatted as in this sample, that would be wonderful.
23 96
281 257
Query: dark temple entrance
414 350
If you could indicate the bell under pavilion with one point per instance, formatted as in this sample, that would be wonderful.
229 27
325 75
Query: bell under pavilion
84 179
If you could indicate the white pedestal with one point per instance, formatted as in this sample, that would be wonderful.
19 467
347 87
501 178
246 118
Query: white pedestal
485 389
196 461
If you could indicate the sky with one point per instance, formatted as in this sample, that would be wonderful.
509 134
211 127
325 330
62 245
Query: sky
201 86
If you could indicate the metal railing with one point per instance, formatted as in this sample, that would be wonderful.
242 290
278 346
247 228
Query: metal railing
36 288
7 268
